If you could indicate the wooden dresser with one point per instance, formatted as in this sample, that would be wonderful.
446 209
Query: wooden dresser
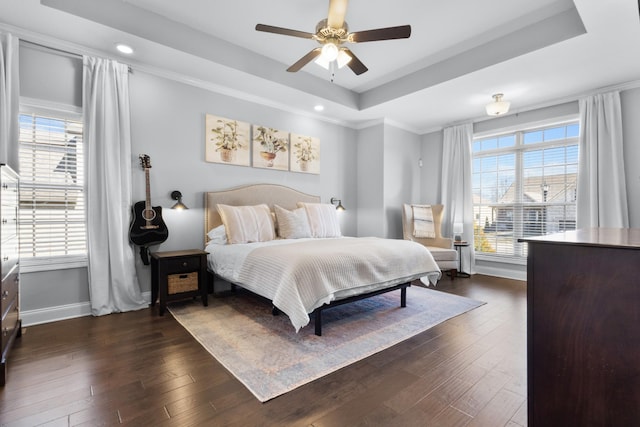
583 327
10 323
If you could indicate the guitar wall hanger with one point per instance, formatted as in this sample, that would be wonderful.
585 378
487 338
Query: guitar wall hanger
147 226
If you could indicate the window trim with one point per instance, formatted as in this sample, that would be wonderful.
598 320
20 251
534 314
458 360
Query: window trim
62 111
63 262
48 108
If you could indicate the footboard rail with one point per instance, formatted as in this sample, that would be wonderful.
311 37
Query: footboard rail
317 313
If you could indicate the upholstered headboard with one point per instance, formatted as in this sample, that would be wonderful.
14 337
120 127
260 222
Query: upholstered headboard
251 195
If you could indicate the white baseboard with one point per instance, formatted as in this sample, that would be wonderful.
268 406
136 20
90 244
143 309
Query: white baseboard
61 312
505 273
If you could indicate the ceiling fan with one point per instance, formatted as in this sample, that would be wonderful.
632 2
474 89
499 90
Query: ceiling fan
331 33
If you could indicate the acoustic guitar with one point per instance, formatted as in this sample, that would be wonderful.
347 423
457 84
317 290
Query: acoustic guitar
147 226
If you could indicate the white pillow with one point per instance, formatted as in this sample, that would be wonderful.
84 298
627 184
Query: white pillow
246 224
218 235
292 224
323 219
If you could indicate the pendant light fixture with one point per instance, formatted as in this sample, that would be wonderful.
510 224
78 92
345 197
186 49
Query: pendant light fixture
498 107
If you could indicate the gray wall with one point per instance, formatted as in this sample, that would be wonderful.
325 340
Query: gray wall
370 181
50 75
388 176
401 176
431 171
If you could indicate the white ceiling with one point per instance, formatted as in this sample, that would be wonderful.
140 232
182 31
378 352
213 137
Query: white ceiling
460 51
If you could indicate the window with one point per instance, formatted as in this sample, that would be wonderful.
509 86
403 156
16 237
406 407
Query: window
52 196
524 184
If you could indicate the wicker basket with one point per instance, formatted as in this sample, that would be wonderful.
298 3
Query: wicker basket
183 282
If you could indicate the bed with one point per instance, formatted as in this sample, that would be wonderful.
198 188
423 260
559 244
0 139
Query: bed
303 271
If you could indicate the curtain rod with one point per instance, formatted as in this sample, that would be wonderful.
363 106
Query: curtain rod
55 49
60 51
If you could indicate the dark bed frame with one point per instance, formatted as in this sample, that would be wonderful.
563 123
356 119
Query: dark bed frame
317 313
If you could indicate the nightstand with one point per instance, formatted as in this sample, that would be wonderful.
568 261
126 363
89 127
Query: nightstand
178 274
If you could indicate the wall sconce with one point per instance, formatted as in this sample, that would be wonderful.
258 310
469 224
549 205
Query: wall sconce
176 195
335 201
458 228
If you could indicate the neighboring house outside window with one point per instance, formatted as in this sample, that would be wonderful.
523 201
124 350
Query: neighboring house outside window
52 222
524 184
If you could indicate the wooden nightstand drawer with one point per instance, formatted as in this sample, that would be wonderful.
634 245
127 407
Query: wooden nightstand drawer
182 264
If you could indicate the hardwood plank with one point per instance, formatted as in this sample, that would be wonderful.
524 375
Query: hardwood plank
451 417
481 393
520 417
499 411
350 411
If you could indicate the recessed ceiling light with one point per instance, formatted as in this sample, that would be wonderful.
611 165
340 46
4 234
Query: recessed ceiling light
319 107
123 48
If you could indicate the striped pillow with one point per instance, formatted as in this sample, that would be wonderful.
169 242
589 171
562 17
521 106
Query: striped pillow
423 226
292 224
323 219
246 224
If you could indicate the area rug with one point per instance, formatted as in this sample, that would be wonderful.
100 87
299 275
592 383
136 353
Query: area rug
266 354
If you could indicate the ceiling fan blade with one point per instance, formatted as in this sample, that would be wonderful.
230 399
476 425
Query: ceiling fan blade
337 11
283 31
355 64
305 60
390 33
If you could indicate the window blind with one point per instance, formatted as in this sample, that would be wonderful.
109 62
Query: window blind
524 184
52 196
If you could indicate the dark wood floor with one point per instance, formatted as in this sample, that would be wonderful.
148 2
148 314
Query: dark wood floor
141 369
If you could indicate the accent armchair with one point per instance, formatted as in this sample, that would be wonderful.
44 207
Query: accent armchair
441 248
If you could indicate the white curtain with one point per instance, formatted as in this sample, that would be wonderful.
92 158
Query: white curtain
113 283
602 192
456 187
9 100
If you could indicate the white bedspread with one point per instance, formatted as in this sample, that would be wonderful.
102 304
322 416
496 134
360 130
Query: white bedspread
301 275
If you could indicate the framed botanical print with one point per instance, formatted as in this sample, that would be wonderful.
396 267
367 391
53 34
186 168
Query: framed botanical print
270 148
227 141
305 154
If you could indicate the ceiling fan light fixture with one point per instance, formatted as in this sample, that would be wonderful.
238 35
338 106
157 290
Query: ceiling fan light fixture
330 51
331 33
498 107
343 58
321 61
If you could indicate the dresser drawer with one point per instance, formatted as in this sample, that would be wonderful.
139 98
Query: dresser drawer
9 189
8 256
9 290
184 264
11 197
8 221
9 323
